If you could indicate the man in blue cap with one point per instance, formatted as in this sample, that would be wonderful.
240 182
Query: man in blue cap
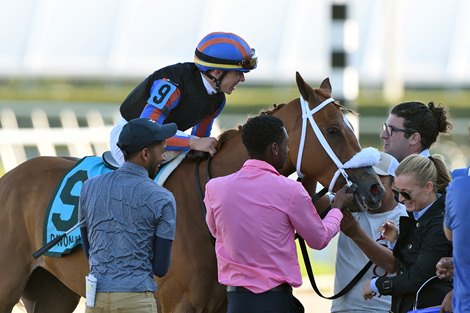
129 222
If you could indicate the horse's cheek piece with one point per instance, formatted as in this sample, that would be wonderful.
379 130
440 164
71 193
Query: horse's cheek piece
366 157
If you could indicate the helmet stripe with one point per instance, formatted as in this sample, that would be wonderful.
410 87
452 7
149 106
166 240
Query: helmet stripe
226 51
217 65
243 50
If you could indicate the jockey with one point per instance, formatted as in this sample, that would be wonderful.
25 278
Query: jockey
190 94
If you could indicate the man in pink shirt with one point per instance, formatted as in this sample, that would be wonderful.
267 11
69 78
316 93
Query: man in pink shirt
254 214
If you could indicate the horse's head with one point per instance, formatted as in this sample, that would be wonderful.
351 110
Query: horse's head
322 145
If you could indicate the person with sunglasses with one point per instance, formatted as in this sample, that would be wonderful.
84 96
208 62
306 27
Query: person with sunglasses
418 243
412 127
420 184
191 94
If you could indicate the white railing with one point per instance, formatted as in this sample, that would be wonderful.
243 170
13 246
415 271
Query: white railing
17 144
79 141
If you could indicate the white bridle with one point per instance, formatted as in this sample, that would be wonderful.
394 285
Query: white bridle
365 157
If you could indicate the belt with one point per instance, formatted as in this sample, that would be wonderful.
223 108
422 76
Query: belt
280 288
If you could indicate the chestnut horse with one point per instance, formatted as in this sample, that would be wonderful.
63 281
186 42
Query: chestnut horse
50 284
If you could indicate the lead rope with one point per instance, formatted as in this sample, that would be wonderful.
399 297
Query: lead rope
308 265
366 158
201 193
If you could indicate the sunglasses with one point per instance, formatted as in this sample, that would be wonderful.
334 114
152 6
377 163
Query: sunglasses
405 194
389 129
251 62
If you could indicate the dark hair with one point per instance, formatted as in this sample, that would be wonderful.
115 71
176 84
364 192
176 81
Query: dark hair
427 120
128 156
261 131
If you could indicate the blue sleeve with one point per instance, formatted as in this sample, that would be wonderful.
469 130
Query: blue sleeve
166 218
164 97
457 201
161 256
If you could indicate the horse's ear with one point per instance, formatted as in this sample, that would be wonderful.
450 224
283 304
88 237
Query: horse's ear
325 84
303 87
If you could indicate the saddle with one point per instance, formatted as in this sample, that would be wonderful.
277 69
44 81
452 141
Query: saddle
62 213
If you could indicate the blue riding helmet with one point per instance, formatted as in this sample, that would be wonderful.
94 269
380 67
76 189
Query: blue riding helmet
226 52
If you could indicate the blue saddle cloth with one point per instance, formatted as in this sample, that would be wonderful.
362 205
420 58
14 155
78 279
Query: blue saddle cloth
63 207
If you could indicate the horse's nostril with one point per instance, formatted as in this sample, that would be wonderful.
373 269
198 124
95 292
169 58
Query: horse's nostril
375 190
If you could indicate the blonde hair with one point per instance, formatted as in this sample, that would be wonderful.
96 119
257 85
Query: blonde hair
426 169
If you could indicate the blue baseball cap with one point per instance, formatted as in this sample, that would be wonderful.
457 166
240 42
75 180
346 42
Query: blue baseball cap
140 133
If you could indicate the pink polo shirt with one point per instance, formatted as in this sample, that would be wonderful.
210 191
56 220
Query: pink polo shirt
253 214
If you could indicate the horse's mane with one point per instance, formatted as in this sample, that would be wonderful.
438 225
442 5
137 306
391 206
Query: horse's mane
276 107
344 109
227 135
230 133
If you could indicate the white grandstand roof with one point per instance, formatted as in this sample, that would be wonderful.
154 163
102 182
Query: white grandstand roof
421 41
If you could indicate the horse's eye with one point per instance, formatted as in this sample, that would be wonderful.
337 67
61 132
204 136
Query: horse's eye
333 131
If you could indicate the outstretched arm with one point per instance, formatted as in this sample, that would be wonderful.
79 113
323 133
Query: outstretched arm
377 253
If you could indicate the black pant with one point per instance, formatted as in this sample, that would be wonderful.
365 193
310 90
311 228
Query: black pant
266 302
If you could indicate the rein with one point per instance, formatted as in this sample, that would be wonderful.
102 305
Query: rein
303 247
308 265
366 157
201 193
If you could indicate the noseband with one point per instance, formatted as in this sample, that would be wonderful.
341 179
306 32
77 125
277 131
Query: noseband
365 157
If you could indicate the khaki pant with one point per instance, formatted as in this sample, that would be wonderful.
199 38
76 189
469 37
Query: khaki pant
124 302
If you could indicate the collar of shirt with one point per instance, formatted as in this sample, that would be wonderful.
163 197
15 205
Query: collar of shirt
425 153
134 168
418 214
210 90
262 165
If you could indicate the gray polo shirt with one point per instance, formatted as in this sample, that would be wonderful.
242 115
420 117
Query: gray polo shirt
124 210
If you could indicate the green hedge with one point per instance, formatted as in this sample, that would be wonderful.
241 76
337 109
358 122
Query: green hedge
247 98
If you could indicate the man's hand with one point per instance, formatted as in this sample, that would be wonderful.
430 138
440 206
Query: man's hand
343 198
205 144
445 268
389 231
367 293
446 305
348 223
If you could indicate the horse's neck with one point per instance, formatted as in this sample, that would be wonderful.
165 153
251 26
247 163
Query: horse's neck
229 159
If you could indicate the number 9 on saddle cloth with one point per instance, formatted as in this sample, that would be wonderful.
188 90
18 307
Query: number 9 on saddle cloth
62 213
